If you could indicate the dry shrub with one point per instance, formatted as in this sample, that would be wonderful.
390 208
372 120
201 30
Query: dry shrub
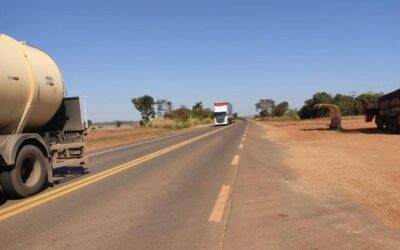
167 123
163 123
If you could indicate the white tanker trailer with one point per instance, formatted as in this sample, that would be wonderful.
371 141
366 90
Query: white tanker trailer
40 129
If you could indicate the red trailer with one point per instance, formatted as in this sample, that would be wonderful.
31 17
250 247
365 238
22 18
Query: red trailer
386 112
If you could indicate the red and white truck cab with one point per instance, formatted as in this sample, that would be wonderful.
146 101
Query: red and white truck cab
223 113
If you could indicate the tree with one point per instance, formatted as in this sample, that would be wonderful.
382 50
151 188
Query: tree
118 124
145 105
364 99
198 111
281 109
89 123
265 107
235 116
345 103
308 111
348 104
163 107
181 114
208 113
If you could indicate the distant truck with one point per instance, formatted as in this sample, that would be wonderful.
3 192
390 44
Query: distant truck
40 129
386 112
223 113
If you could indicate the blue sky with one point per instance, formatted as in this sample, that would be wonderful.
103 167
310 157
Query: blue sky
188 51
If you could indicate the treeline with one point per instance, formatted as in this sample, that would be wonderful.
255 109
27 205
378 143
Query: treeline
349 105
267 108
161 113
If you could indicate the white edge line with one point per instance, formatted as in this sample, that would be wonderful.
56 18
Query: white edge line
236 160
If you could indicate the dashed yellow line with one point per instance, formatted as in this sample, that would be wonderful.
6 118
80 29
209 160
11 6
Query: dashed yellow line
218 210
35 201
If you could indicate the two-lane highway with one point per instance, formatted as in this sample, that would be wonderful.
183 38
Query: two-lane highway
211 188
157 194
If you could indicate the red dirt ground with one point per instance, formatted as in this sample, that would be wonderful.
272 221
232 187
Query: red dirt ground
359 162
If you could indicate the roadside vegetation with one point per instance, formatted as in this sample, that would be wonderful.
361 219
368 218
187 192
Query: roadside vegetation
158 117
161 114
349 105
108 136
268 110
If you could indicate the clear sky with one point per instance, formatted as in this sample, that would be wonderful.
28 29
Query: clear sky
188 51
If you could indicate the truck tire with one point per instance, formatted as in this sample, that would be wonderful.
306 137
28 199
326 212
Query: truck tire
27 176
389 125
395 125
392 125
380 122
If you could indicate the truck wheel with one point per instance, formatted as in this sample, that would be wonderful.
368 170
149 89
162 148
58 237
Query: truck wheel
27 176
389 125
380 122
392 127
395 126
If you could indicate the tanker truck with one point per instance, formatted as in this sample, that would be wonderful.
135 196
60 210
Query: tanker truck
40 129
386 112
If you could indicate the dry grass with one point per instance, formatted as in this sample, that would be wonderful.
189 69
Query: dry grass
100 138
158 127
173 124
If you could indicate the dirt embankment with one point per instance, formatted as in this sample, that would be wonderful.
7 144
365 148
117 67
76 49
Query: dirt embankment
359 162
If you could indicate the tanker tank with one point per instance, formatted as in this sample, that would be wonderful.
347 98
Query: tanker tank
31 86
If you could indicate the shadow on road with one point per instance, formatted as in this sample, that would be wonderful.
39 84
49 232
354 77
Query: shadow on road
3 199
65 174
371 131
61 175
316 129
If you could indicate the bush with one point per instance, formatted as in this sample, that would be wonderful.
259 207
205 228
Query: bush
181 114
163 123
175 124
293 115
182 124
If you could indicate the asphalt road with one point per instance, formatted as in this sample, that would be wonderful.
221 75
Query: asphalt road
212 188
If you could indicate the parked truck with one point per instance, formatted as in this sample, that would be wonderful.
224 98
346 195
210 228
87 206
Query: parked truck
223 113
40 129
386 112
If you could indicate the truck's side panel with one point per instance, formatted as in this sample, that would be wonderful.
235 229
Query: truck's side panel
386 112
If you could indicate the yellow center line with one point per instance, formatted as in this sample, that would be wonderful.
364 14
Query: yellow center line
218 210
37 200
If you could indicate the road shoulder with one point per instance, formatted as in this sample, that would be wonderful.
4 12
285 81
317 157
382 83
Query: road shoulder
269 212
